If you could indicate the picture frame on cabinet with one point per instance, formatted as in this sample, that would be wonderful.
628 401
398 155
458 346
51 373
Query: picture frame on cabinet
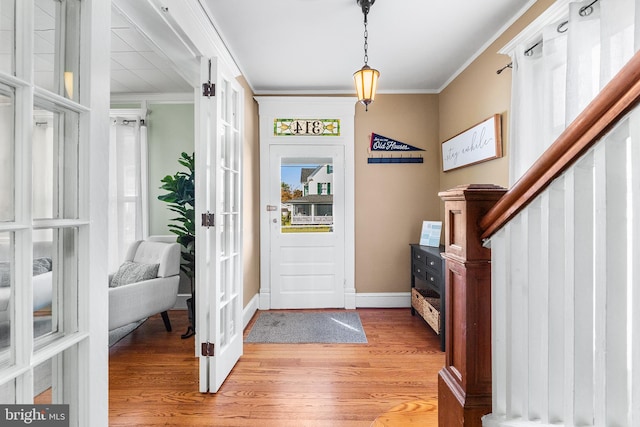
430 235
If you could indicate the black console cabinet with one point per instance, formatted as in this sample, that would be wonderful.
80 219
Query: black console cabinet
427 278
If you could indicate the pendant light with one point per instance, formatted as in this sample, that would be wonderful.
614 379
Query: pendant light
366 78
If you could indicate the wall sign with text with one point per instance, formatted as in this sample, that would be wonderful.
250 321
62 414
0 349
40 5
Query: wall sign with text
477 144
379 143
306 127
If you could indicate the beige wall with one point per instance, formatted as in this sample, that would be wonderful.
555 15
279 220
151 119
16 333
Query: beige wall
476 94
251 200
392 200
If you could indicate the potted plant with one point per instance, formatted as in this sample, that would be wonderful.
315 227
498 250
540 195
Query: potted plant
180 197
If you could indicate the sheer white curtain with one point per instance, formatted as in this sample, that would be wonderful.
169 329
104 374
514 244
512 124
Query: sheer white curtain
560 66
127 185
42 160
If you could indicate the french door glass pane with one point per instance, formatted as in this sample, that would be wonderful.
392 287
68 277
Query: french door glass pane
55 282
56 43
7 35
7 267
55 163
7 158
54 382
306 195
8 393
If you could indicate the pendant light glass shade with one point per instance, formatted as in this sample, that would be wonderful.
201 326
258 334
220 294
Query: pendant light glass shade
366 80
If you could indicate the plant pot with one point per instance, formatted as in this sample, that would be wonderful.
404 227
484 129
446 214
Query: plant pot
191 312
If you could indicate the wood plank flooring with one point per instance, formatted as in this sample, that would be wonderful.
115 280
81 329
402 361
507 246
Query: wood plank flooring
153 379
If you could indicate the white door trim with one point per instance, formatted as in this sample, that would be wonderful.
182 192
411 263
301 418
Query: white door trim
342 108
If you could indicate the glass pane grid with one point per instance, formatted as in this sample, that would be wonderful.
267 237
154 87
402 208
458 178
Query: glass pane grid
7 36
7 153
55 162
55 284
7 268
57 46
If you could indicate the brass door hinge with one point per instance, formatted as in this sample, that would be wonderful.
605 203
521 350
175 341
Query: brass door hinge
208 349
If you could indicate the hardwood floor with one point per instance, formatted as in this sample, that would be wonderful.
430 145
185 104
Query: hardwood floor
153 379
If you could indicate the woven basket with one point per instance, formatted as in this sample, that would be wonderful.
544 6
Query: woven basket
427 304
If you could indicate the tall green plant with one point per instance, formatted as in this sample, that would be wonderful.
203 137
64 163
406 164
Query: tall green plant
181 200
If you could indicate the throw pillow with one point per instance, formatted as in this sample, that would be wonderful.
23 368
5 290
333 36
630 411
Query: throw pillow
132 272
41 266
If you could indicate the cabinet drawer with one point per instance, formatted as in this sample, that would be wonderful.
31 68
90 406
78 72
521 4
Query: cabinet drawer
419 270
432 262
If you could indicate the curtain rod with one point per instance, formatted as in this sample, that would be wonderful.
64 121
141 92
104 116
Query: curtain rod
562 28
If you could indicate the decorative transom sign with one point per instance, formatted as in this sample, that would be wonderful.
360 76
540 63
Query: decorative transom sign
306 127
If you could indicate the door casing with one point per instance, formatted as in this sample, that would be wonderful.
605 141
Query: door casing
278 107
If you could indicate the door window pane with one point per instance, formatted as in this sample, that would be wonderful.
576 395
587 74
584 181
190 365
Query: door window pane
8 392
56 381
7 158
55 163
55 280
306 195
7 267
56 43
7 35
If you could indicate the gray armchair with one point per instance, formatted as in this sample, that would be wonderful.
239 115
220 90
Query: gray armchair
146 283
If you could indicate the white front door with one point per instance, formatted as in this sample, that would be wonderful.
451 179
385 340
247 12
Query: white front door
307 226
308 260
218 192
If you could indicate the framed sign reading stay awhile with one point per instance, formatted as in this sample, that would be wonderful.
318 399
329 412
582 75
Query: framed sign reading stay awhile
477 144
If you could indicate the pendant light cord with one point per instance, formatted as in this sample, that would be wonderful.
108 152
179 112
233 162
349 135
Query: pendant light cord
366 40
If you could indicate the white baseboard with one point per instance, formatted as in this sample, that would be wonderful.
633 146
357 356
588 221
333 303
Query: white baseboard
249 310
363 300
383 300
181 302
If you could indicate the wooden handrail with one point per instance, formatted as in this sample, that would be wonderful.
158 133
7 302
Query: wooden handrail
615 100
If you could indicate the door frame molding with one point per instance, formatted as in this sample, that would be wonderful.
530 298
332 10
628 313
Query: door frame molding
343 108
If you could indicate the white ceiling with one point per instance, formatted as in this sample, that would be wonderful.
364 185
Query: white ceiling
315 46
137 66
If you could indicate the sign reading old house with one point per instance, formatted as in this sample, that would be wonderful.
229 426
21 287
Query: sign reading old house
306 127
381 143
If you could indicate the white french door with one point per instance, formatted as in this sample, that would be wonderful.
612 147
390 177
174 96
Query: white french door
53 146
218 183
307 226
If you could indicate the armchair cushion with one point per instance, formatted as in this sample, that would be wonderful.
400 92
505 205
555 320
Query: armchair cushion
132 272
143 298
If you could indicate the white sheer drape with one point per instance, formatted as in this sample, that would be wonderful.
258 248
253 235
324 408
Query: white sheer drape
127 186
42 159
575 57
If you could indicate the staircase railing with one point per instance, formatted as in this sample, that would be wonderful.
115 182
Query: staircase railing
565 270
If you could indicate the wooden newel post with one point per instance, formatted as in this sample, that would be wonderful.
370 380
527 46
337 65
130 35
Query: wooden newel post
464 384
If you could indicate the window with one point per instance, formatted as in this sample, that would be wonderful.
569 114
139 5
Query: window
127 183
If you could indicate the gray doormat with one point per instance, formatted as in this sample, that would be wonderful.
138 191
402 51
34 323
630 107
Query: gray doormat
312 327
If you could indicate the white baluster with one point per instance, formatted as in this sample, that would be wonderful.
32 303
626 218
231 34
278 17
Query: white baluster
583 262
